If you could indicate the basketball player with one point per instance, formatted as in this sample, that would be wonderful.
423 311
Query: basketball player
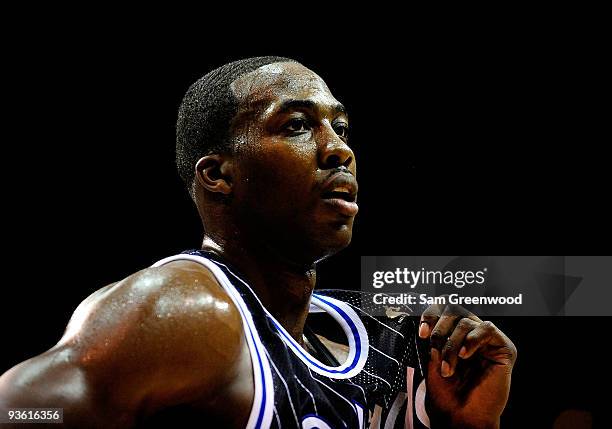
217 336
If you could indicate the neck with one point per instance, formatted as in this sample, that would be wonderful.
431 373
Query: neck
284 287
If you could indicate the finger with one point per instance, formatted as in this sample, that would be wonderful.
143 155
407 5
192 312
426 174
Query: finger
487 336
435 358
446 324
450 351
429 318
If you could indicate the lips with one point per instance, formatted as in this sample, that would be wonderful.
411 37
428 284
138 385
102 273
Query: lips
340 193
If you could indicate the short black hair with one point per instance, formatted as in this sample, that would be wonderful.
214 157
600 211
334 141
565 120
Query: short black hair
206 113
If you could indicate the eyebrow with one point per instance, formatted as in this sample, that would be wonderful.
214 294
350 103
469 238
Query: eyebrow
293 104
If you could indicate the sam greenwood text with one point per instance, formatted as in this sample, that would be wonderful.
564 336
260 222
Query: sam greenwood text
411 299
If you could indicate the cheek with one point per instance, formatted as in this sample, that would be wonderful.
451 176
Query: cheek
281 177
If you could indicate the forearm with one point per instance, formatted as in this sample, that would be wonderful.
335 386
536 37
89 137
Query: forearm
37 384
76 413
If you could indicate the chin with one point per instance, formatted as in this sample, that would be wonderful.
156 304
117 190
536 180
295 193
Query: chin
335 242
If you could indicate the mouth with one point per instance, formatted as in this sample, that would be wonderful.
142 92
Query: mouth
340 192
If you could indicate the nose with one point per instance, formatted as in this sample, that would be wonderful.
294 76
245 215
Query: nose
335 152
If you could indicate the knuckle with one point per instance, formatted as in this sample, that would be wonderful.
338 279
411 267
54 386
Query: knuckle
438 339
437 334
464 324
509 353
449 346
488 326
511 348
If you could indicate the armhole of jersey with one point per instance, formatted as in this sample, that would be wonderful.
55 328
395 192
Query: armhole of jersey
263 401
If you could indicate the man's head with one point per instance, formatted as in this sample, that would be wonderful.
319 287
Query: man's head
262 146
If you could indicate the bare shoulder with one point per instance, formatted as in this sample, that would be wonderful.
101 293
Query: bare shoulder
174 320
157 299
163 335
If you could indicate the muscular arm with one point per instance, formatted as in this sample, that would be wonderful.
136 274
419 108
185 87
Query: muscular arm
162 337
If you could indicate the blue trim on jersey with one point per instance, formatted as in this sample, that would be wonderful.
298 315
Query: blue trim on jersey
261 370
297 347
354 330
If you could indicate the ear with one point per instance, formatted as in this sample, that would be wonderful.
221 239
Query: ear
214 173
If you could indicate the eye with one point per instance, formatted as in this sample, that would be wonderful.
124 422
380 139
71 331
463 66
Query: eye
341 129
297 125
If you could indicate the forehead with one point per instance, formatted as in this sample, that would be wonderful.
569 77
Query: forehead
274 83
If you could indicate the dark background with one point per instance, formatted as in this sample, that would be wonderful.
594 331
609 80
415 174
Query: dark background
481 143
